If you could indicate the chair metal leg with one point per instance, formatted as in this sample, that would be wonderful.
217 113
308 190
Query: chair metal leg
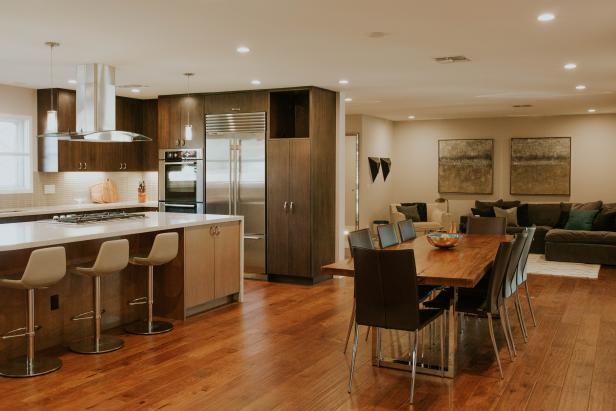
518 308
379 352
149 326
442 338
491 327
505 332
368 333
355 343
508 323
351 322
530 304
413 364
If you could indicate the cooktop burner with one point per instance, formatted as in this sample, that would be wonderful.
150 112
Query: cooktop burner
95 217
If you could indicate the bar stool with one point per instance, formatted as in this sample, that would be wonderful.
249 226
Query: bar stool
164 249
45 267
112 258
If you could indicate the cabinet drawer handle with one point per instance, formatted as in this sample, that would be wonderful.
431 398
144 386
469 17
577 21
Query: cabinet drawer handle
291 207
124 166
85 166
211 231
80 166
236 109
285 205
217 230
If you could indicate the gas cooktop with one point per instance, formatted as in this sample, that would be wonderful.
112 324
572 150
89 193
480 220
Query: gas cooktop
89 218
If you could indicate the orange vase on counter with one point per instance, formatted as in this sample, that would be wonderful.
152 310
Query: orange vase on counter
141 195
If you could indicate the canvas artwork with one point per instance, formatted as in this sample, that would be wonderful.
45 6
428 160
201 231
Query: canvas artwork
541 166
466 166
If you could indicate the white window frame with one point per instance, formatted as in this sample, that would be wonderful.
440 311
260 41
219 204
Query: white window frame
28 153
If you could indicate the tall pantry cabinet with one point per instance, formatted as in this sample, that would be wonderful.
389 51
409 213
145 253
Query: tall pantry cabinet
301 182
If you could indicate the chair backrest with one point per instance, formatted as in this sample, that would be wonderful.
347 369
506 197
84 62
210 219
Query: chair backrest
497 276
164 249
112 257
511 281
387 235
486 225
386 289
45 267
522 270
360 238
407 230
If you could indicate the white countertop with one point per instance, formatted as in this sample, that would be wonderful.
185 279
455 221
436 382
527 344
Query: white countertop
33 234
73 208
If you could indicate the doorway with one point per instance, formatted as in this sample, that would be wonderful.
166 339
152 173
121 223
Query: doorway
351 201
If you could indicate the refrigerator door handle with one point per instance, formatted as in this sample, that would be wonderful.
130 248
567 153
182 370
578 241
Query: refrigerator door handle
230 196
238 162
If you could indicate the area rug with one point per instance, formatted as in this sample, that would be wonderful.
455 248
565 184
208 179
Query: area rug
537 264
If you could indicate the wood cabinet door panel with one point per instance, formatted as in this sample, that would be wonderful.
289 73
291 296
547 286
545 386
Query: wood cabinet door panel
277 217
240 102
227 260
299 208
199 264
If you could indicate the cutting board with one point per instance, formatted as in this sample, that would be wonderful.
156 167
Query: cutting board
105 192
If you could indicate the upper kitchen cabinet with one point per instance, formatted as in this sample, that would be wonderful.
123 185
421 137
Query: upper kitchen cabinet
149 118
290 114
64 102
173 115
235 102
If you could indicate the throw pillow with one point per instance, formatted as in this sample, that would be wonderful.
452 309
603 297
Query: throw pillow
487 204
509 204
483 212
410 212
606 219
595 205
422 209
581 219
565 208
523 219
510 215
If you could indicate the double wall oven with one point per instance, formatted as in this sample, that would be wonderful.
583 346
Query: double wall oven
181 181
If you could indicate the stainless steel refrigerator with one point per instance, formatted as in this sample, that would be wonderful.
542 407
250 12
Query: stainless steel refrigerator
235 177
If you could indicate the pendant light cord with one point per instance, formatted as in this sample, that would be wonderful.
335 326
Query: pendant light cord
188 94
51 46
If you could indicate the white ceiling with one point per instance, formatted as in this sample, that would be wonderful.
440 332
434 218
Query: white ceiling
516 59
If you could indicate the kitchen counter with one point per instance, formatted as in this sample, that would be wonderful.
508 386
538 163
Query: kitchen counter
44 233
73 208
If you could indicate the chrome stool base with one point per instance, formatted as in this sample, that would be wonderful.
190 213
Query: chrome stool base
149 328
91 345
19 367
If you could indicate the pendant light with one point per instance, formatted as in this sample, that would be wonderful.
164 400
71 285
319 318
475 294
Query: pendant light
188 127
52 115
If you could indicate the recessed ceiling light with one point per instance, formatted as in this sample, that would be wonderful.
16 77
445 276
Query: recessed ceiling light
411 117
570 66
348 99
546 17
72 81
580 87
343 82
243 49
255 82
135 90
592 110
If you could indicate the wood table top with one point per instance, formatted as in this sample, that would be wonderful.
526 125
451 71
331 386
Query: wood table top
461 266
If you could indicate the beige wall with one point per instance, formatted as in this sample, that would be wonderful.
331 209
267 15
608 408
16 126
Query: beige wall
376 140
70 187
593 156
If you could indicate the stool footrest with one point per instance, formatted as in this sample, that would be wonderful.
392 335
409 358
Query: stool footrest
23 332
138 301
88 315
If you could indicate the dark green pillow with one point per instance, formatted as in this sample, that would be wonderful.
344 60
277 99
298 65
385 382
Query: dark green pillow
581 219
410 212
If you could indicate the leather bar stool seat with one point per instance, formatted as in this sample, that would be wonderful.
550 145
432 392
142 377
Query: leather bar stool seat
164 250
112 258
46 267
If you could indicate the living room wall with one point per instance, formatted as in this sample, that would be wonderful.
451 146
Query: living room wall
415 156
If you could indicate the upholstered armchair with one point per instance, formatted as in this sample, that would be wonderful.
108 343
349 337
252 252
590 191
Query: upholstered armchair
438 217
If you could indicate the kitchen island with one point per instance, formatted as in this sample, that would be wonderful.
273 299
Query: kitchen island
205 274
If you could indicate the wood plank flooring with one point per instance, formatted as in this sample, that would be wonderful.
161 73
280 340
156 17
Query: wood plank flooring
282 349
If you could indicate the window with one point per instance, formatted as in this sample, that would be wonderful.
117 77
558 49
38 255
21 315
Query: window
15 154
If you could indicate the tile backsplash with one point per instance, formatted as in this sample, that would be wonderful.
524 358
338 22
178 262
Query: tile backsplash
71 188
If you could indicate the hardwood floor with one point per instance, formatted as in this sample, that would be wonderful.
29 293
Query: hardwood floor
282 349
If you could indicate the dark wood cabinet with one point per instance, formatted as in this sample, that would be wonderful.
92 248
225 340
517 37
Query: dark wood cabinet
64 102
236 102
149 120
301 190
173 115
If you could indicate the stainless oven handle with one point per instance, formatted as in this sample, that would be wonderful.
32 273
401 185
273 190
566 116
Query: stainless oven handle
181 163
180 205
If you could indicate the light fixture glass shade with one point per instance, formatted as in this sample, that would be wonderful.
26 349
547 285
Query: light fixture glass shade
52 122
188 132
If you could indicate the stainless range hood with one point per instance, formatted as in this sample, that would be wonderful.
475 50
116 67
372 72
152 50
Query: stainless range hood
96 107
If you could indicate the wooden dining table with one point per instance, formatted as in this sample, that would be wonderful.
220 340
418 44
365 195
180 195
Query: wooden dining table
461 266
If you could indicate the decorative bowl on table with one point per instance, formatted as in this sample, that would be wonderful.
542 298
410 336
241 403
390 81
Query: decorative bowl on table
443 240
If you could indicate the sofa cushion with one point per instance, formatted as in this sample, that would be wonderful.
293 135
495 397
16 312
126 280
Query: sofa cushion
410 212
581 219
544 214
594 205
427 225
510 215
586 237
523 216
483 212
509 204
565 208
487 204
422 209
606 219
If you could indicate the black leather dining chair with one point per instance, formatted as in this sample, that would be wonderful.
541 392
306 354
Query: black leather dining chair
363 239
522 276
407 231
510 286
486 225
386 294
387 235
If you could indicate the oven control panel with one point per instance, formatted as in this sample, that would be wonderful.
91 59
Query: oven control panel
180 155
